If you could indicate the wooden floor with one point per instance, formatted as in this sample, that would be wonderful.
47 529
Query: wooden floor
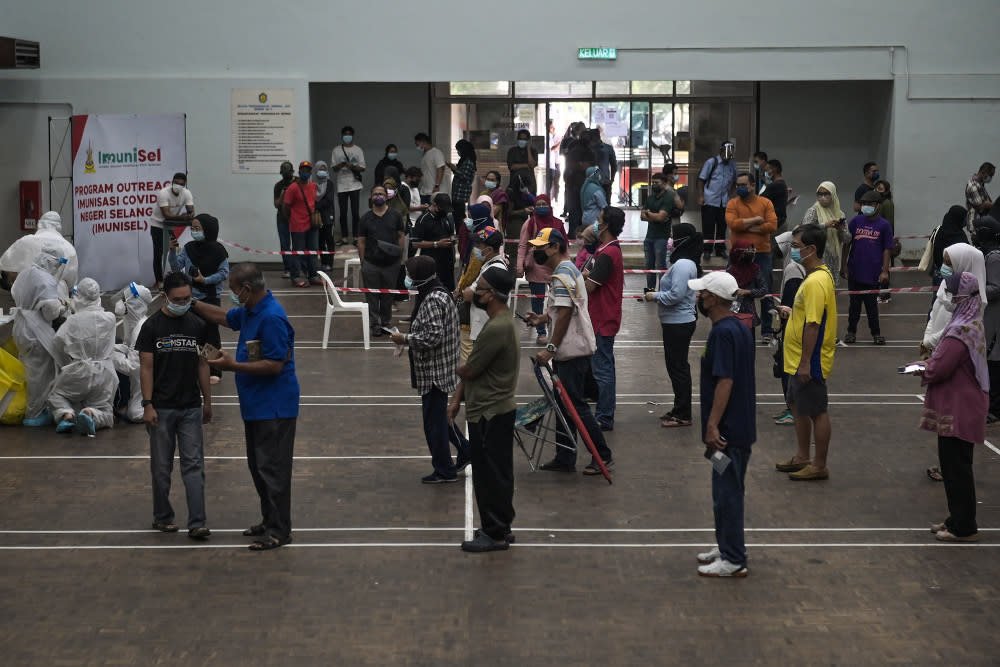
841 572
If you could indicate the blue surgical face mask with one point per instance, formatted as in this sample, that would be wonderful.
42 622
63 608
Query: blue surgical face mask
742 191
946 271
543 210
198 236
322 174
522 143
867 210
490 184
348 138
392 156
597 227
408 283
178 310
469 224
478 254
987 179
420 149
796 255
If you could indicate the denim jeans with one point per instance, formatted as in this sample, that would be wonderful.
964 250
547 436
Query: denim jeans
603 366
304 265
656 258
285 243
180 430
764 261
538 303
728 491
439 433
573 374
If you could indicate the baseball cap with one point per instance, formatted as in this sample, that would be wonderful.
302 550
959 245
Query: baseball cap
719 283
305 164
547 236
490 236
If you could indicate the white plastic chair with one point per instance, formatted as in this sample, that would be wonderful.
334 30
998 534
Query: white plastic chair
334 304
348 263
512 299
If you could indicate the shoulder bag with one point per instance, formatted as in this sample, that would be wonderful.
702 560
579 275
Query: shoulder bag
315 217
579 340
927 259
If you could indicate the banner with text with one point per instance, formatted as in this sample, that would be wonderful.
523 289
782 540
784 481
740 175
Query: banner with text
120 163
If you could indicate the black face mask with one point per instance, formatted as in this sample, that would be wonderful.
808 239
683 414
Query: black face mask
701 307
286 175
477 302
539 256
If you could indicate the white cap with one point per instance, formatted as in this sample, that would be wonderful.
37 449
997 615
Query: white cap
719 283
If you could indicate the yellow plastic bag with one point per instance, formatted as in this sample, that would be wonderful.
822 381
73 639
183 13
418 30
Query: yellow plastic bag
13 390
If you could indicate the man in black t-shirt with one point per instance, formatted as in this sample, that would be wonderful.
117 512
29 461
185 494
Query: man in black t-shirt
174 378
284 235
777 192
434 235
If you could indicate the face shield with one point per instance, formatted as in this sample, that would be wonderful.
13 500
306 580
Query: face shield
728 151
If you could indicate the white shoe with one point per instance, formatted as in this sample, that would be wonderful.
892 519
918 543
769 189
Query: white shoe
707 557
722 568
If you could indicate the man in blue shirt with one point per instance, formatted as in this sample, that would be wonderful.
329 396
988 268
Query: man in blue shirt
716 184
728 419
264 368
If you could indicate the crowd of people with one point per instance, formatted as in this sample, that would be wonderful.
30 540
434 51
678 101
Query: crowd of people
451 253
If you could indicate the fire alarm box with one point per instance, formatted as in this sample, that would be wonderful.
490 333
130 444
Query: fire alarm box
31 204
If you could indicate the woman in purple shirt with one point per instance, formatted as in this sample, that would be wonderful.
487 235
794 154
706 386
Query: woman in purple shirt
957 383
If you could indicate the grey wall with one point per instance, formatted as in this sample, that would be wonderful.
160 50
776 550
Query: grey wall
380 113
825 131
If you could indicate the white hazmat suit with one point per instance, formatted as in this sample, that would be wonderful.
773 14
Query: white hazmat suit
132 307
22 253
36 297
84 390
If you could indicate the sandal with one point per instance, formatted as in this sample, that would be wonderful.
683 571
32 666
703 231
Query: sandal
255 530
667 415
270 543
934 473
674 421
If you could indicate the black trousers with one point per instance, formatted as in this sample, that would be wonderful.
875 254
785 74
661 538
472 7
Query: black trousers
212 336
492 448
955 458
326 242
870 302
573 374
994 367
342 200
713 226
270 443
157 234
676 344
574 184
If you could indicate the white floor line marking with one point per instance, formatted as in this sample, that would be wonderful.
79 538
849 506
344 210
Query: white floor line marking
468 494
208 458
417 404
519 545
991 446
517 529
920 397
532 397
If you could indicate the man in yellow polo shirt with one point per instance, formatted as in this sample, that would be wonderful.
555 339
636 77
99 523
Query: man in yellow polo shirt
810 341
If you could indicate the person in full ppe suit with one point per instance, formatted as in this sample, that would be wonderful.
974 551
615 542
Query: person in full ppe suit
132 308
22 253
36 297
84 389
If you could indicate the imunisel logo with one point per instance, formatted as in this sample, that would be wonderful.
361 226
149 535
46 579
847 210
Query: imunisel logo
88 166
135 156
262 98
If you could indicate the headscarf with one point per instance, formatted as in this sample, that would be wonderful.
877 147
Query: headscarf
209 254
422 270
967 323
537 223
966 259
827 215
396 201
952 231
687 244
742 267
987 235
321 185
466 151
590 185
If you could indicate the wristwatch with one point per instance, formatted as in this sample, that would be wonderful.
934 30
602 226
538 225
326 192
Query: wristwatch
551 348
146 401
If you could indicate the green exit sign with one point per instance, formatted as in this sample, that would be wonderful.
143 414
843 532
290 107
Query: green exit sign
598 53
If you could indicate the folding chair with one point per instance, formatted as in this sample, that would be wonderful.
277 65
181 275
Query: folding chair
335 304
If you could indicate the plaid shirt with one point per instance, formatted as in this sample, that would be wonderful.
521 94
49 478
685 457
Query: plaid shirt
975 195
434 343
461 184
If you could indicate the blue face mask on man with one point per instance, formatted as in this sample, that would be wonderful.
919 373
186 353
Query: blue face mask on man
868 210
478 254
522 143
348 138
393 156
742 191
177 310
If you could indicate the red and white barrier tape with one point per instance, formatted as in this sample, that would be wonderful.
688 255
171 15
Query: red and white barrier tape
639 296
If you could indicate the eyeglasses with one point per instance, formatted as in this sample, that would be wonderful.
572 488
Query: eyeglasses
824 194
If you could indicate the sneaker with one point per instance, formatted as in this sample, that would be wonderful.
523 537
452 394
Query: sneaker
722 568
483 543
850 338
809 474
947 536
510 537
286 275
556 466
200 533
462 462
85 425
435 478
878 340
786 418
593 469
708 557
766 340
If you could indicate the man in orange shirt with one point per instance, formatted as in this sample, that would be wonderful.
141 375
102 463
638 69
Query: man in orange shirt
752 217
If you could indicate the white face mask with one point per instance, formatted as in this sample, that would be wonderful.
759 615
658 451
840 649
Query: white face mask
176 189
